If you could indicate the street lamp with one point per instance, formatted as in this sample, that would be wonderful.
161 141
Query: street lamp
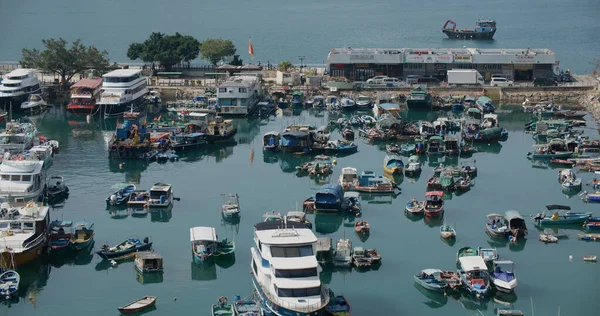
302 58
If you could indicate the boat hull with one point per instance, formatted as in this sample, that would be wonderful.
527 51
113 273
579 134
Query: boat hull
433 212
80 245
24 257
559 155
215 139
82 109
469 35
495 234
429 286
5 102
503 286
112 255
418 104
120 108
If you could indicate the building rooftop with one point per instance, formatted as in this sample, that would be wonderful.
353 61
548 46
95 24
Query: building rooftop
122 73
240 81
471 51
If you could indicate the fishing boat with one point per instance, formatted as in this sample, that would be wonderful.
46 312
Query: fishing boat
185 141
447 231
332 101
363 102
338 306
368 182
496 226
138 198
127 247
348 133
246 307
413 206
484 30
447 181
488 254
55 187
9 283
468 168
503 275
348 103
434 203
121 195
148 262
592 225
35 104
437 280
298 217
465 252
21 180
589 258
436 146
368 120
161 195
362 227
139 305
348 178
83 235
485 104
271 141
342 256
555 149
392 164
220 130
462 184
231 207
407 149
318 102
433 183
329 198
413 167
474 275
59 235
352 203
561 218
297 98
204 243
571 184
590 197
24 233
419 98
360 259
516 224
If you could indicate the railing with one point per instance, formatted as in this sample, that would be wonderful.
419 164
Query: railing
307 308
34 241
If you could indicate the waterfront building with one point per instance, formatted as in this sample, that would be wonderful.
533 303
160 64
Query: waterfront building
122 91
360 64
239 94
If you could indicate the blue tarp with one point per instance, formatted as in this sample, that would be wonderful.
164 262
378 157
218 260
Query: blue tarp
329 194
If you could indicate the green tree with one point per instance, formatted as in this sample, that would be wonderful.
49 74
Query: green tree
165 50
237 61
65 61
215 49
285 65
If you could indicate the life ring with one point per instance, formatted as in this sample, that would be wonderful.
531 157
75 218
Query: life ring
222 300
121 149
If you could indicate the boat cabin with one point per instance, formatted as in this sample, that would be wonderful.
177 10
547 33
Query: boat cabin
516 223
490 120
21 180
436 145
474 113
332 100
23 229
329 198
426 128
148 261
349 178
220 127
296 141
271 140
204 240
392 109
451 145
160 194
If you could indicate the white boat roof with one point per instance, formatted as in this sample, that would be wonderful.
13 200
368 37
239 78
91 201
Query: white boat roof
349 170
21 167
41 148
472 263
19 72
286 236
508 262
30 212
350 194
296 214
432 271
296 283
122 73
294 263
197 114
160 187
203 233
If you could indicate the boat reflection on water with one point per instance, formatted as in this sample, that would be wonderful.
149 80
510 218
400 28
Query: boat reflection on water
491 148
206 271
434 221
149 278
378 198
449 241
517 246
328 223
105 265
121 213
414 217
162 215
131 168
436 300
469 302
225 262
34 277
397 179
72 258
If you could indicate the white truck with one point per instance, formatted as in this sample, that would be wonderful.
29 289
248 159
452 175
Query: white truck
465 77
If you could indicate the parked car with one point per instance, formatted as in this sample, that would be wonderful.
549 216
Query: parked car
501 82
544 82
429 80
376 80
412 79
391 82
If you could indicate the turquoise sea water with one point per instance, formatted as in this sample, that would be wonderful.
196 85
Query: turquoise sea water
506 181
311 28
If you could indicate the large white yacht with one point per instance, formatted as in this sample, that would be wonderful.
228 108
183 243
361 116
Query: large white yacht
16 87
285 271
122 91
22 233
21 180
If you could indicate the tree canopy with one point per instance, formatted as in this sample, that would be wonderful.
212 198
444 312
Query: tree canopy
215 49
285 65
166 50
65 61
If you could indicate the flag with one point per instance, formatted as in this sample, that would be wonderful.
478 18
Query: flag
250 48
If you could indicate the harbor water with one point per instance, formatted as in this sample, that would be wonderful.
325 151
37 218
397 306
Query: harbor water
308 28
506 180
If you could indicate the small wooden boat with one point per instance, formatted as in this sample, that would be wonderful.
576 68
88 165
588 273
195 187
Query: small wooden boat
562 162
434 203
437 280
338 306
138 198
9 283
298 217
59 235
408 149
392 149
83 235
488 254
447 231
496 226
362 227
465 252
548 238
589 258
231 207
348 133
373 256
589 237
433 183
138 305
222 308
592 225
359 258
462 184
129 246
352 203
572 184
413 206
55 187
393 164
561 218
342 256
413 167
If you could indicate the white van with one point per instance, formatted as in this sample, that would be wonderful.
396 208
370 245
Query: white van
501 82
391 82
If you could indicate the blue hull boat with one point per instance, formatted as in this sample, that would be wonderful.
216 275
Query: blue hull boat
125 248
329 198
121 195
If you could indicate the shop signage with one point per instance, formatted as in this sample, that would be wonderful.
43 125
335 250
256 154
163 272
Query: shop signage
428 58
525 59
361 56
463 59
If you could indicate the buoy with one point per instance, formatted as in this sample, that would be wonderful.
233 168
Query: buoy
334 161
570 257
174 299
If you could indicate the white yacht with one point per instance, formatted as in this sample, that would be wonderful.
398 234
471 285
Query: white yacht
21 180
122 91
285 271
23 233
16 87
18 136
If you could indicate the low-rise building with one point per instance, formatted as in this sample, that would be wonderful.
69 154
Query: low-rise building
239 94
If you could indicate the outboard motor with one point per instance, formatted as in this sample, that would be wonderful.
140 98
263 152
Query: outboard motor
146 240
113 199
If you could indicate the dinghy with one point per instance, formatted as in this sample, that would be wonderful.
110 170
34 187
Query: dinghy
138 305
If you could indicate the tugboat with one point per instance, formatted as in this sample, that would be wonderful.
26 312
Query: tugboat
484 30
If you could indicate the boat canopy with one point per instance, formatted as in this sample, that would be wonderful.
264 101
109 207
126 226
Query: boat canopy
334 189
272 133
503 262
558 207
203 233
84 225
494 215
434 193
432 271
510 215
472 263
296 214
295 134
351 194
349 170
148 255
